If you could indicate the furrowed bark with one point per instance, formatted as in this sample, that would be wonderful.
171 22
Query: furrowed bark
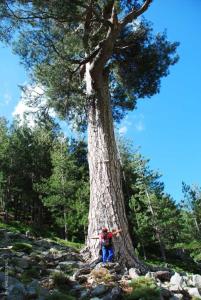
106 196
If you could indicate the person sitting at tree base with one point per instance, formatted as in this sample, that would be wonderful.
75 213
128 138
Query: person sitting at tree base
105 238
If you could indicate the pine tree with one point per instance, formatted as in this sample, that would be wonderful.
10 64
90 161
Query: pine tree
94 61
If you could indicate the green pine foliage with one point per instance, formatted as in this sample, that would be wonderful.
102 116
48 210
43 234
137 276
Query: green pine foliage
53 39
44 174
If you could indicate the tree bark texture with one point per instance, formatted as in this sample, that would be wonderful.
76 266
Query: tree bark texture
106 196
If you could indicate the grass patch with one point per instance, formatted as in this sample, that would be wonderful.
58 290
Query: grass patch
143 289
24 247
76 246
102 275
61 280
15 227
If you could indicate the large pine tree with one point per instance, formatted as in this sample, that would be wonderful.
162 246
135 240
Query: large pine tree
94 59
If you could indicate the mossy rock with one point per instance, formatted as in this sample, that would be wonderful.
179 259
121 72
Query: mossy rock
24 247
60 296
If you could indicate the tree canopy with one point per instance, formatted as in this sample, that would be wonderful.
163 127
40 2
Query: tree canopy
56 39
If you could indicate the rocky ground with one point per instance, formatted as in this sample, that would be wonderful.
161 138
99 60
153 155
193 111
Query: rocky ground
42 269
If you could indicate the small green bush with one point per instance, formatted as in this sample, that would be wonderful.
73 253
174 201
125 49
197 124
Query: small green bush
143 289
24 247
60 279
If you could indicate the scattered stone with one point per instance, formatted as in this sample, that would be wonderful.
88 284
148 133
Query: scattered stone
92 281
99 290
194 292
165 293
80 272
33 289
163 275
84 294
65 265
15 289
22 262
176 297
114 294
176 282
133 273
150 275
196 281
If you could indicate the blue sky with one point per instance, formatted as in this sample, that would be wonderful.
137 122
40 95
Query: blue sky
167 126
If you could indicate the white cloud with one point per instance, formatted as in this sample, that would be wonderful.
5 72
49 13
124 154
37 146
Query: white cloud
31 101
140 126
7 98
123 130
138 123
134 122
21 109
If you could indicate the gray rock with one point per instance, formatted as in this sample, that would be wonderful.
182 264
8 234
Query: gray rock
16 293
176 297
133 273
12 235
42 243
63 265
165 293
19 254
163 275
114 294
150 275
99 290
82 278
83 271
15 290
2 279
196 280
194 292
22 262
84 294
33 288
176 282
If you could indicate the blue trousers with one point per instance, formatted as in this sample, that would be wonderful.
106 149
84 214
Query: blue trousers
107 254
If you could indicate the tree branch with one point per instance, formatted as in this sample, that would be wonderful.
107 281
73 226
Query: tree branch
87 26
136 13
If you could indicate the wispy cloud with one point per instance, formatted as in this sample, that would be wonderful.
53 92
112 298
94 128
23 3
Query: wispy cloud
132 122
123 130
7 97
27 113
139 124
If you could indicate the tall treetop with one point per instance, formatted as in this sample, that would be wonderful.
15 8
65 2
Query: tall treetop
56 40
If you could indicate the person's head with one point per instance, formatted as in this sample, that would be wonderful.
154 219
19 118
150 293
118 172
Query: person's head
104 230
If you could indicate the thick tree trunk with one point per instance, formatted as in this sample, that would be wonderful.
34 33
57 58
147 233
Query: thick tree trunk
106 196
